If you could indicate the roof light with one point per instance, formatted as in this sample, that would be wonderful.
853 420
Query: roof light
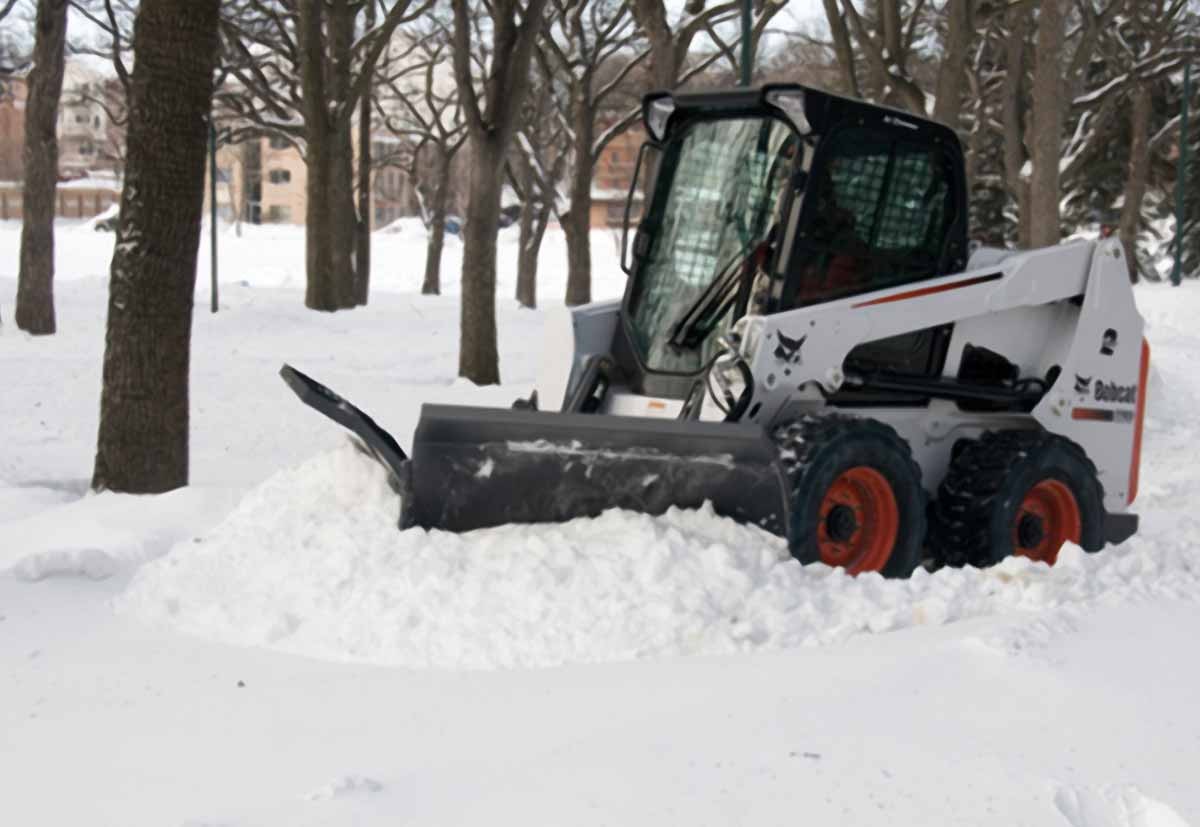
656 112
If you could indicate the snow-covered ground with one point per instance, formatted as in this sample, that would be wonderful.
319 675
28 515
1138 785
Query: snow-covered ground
262 648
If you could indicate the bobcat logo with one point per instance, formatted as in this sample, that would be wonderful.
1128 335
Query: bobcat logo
788 350
1082 384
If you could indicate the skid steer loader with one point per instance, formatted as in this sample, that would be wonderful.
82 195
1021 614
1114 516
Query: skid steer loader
808 342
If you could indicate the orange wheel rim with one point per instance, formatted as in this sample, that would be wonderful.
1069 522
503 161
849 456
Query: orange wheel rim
1047 518
859 521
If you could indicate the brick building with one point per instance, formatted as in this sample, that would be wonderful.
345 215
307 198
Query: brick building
612 176
12 126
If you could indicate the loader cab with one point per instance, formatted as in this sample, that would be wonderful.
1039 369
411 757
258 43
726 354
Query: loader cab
767 199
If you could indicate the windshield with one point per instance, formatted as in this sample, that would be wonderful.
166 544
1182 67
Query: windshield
723 180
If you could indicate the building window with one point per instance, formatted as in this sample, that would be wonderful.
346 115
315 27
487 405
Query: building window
278 142
279 214
279 176
81 119
96 122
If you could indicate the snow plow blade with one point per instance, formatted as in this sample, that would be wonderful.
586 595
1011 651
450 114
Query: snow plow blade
481 467
478 467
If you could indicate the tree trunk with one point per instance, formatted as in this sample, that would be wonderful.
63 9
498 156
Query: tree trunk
362 245
432 285
843 48
952 72
577 223
143 438
1139 170
341 184
329 214
478 358
1045 142
534 217
1011 111
35 282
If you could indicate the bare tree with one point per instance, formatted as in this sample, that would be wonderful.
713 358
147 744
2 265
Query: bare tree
422 105
884 48
143 438
589 48
536 167
6 8
1045 144
35 282
299 73
1146 34
670 41
491 98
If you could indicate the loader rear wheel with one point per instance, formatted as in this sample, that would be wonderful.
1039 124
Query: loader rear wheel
1016 493
856 501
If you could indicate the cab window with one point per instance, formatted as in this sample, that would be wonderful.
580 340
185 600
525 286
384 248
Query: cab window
877 214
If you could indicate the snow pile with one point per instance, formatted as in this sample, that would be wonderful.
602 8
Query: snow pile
1125 806
97 535
311 563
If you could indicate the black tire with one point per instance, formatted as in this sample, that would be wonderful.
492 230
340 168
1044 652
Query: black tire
817 451
974 518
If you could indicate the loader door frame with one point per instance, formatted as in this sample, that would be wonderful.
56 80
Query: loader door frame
921 352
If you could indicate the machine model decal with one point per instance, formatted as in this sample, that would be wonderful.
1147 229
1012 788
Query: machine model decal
1082 384
1119 415
1108 344
928 291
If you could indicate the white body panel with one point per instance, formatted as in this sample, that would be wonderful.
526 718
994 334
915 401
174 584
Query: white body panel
1069 307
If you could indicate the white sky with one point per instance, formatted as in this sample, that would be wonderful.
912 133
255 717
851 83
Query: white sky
19 25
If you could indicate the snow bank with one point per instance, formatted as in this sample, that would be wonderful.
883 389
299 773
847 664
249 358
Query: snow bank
98 535
311 563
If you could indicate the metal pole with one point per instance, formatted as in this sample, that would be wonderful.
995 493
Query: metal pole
1181 177
747 49
212 197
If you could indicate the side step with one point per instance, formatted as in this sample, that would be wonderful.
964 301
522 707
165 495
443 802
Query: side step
377 441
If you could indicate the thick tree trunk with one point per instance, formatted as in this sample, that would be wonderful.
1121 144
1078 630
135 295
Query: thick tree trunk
478 358
35 283
1045 142
432 284
362 237
577 223
1135 179
143 438
329 214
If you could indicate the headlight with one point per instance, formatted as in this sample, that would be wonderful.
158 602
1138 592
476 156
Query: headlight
655 113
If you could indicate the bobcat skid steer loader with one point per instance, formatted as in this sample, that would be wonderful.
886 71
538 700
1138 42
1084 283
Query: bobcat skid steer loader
807 342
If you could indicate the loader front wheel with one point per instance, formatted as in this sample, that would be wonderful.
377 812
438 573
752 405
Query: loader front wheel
856 501
1022 493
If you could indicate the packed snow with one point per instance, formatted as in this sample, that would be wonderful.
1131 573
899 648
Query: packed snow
688 669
